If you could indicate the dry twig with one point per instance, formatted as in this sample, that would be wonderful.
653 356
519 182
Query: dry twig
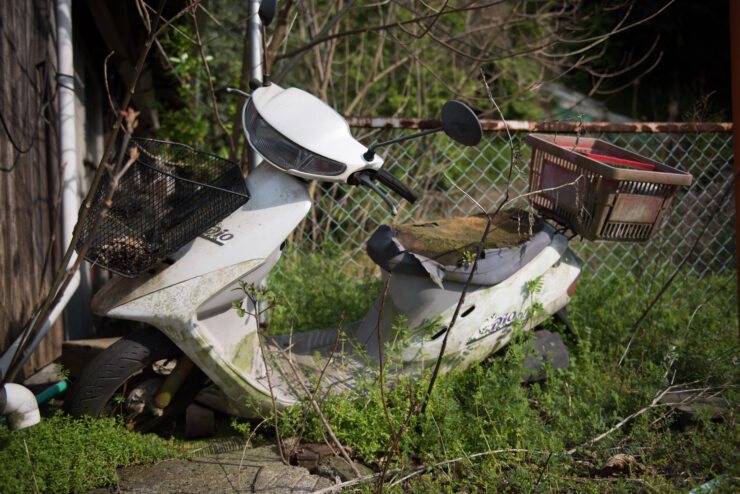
65 273
28 455
300 379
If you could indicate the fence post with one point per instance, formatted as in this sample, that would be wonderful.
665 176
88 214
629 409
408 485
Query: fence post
255 62
735 70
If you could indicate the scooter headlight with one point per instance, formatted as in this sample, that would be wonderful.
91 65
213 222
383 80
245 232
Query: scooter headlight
281 152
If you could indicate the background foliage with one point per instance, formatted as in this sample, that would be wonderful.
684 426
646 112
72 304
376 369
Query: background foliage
405 58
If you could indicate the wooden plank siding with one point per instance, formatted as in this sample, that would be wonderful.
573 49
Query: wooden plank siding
29 180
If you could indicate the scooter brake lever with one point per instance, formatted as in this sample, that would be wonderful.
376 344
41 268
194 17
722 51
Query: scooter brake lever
365 180
233 90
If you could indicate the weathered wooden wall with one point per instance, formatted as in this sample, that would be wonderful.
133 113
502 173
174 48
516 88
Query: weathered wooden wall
29 180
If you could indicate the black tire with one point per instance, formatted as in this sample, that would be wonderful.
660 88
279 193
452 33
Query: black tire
121 368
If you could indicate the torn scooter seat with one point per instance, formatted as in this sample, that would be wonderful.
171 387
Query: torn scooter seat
444 249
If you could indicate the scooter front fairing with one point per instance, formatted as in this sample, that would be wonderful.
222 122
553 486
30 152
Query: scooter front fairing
190 297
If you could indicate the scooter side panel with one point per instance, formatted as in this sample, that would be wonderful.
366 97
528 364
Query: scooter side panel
488 314
477 339
173 307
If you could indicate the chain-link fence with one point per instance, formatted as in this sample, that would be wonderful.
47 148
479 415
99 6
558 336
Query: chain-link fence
451 179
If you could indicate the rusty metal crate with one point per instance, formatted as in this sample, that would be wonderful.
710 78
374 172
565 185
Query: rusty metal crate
599 190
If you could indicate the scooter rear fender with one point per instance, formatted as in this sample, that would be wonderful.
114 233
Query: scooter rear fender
488 316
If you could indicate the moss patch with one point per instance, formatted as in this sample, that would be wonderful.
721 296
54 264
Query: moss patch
447 240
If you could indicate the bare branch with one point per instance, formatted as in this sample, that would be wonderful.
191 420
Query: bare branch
107 88
653 404
383 27
300 379
212 92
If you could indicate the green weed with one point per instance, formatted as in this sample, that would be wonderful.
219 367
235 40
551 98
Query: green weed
523 435
312 291
73 455
483 431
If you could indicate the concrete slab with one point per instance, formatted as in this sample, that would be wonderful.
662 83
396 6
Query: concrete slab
44 377
257 470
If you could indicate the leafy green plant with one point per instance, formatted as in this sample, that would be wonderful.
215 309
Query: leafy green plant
468 257
533 288
312 291
186 114
262 297
62 454
63 371
505 436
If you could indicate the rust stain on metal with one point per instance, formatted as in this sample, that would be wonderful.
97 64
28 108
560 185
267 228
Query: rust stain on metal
531 126
394 122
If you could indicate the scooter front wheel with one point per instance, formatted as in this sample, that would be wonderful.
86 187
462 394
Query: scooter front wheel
123 380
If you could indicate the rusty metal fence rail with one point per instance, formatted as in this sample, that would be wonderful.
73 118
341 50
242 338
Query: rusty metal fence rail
454 180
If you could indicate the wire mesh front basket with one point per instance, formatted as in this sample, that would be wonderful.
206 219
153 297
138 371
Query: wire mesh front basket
170 195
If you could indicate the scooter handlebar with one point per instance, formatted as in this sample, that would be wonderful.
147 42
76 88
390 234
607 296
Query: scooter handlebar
400 188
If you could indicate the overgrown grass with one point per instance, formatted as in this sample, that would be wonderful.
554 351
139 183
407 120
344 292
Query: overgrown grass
313 291
72 455
690 337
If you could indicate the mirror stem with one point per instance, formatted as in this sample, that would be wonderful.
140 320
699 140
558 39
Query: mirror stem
233 90
370 153
254 28
266 76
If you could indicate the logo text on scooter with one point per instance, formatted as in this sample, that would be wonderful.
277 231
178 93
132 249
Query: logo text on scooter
217 235
495 324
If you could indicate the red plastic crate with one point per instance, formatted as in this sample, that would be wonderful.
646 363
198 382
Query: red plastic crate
599 190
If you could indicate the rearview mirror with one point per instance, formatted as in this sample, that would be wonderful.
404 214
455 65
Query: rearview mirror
460 123
267 11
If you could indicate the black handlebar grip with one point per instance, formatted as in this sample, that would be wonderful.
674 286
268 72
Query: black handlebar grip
400 188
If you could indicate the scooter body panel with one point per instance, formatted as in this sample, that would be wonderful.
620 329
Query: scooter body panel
487 317
278 204
490 315
190 301
236 363
487 321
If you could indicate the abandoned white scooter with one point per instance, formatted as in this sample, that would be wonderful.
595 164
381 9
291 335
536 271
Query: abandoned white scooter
190 295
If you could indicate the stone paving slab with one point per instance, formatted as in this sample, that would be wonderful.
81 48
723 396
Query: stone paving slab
255 470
